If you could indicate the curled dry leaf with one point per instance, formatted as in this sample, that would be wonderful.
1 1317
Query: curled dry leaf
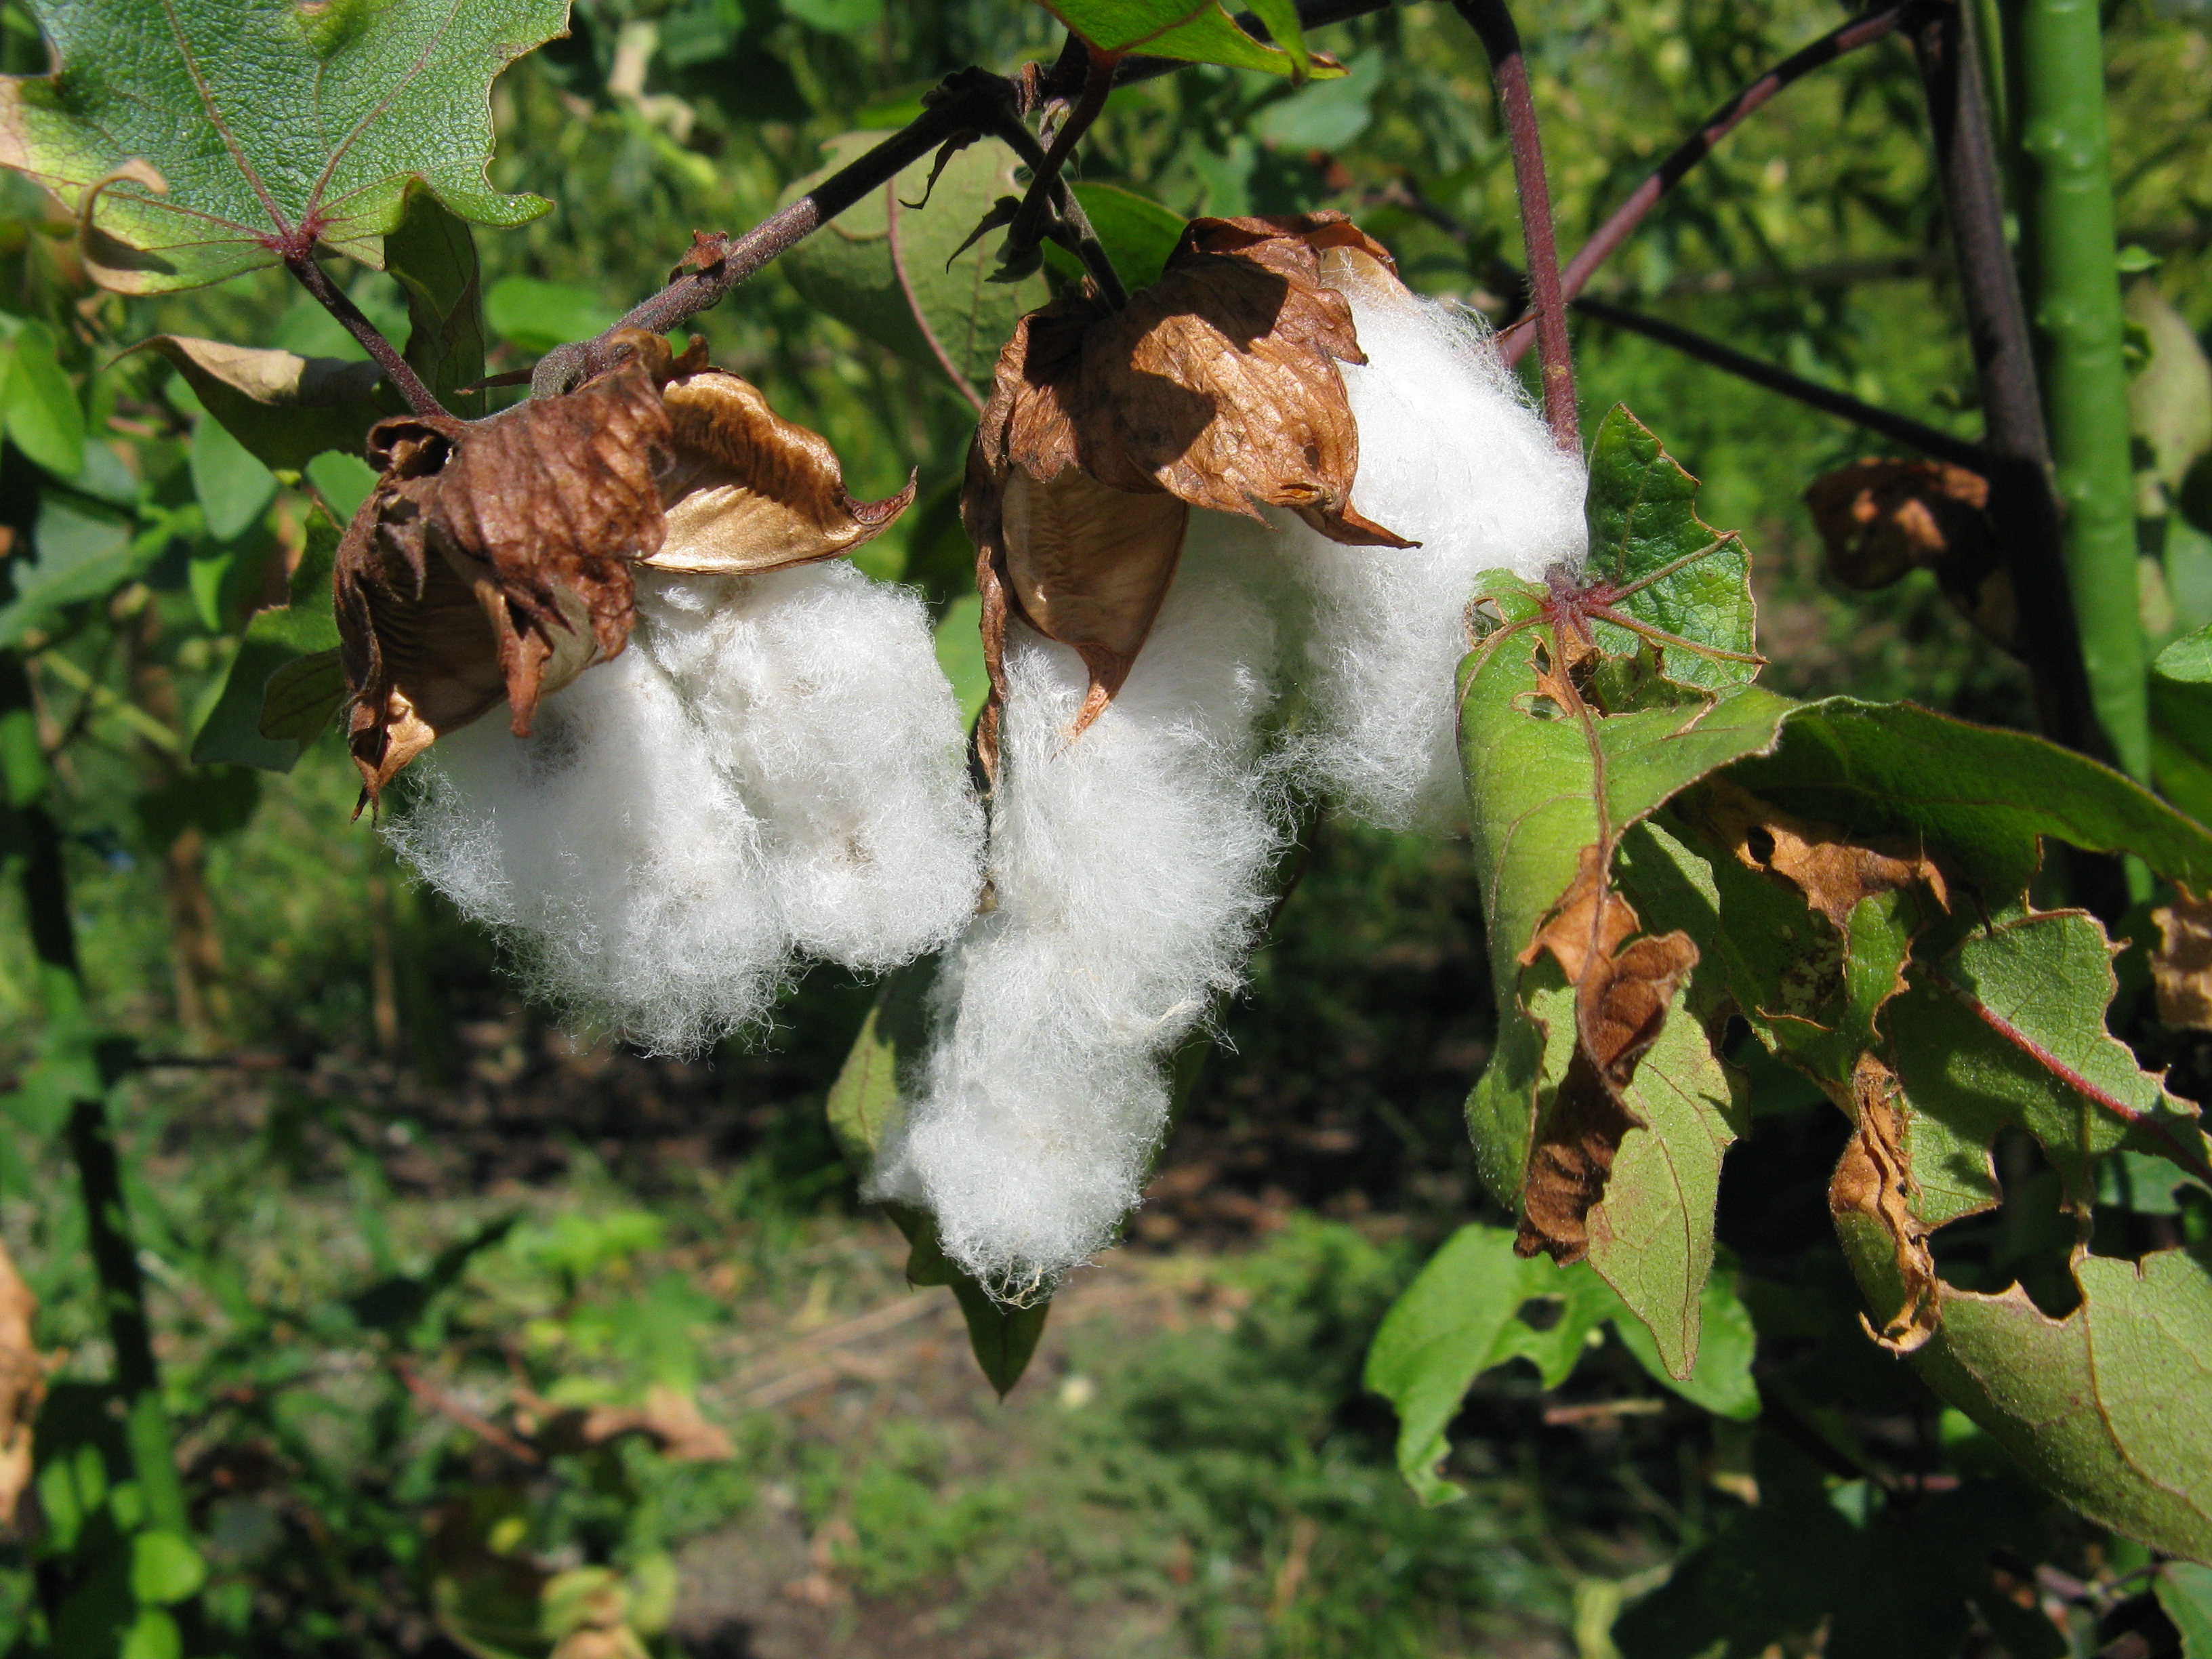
1215 387
1873 1182
2181 966
1623 986
22 1385
492 559
1878 520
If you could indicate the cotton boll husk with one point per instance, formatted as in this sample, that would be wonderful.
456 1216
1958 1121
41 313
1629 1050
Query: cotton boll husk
1128 867
615 856
823 703
1452 456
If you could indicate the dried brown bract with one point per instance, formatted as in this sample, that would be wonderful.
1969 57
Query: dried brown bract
1878 520
22 1385
2181 967
1217 387
493 558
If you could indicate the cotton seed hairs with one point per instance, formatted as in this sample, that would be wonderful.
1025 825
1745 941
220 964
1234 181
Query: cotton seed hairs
773 769
1276 468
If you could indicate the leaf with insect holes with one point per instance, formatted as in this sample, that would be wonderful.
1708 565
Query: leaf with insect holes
1603 1115
1468 1311
195 139
1199 33
864 1109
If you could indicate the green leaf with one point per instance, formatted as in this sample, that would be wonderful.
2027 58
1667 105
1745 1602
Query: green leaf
1203 32
1137 233
536 316
282 408
847 270
1642 519
164 1569
2181 723
835 16
274 641
960 654
1327 117
432 257
2186 1592
2111 1407
1002 1338
344 481
233 486
1458 1318
81 553
2012 1033
1651 1234
1722 1383
214 800
302 696
152 1635
44 418
192 134
1986 797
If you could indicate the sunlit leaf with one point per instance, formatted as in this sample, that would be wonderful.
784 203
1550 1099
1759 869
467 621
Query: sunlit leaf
1201 33
196 139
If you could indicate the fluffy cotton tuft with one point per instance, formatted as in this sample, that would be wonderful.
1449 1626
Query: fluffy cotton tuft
773 769
1129 869
1451 456
820 696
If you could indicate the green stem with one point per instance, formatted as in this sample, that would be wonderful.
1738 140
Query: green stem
2074 289
70 1048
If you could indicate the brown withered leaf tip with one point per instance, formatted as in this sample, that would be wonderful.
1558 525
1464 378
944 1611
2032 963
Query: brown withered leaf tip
1874 1182
1623 984
1215 387
2181 967
493 558
1880 519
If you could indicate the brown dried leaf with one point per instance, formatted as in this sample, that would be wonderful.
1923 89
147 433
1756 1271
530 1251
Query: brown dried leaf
1623 986
670 1418
2181 966
1880 518
1218 387
1874 1182
528 520
22 1385
1833 873
750 491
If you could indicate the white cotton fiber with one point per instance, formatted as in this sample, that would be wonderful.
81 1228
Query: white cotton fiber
822 699
1451 456
774 768
616 858
1128 868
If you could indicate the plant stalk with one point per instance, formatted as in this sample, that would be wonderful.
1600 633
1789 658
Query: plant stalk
335 300
2072 255
1509 67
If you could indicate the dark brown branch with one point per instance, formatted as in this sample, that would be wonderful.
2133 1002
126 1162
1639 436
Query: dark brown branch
1901 429
1491 20
1010 131
1847 37
334 299
1097 85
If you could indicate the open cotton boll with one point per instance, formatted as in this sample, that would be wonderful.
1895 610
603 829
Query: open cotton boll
617 859
1451 456
823 703
1128 868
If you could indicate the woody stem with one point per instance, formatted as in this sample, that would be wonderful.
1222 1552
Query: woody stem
1509 68
334 299
1097 83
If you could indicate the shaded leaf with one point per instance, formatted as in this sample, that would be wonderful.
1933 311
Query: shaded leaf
277 642
44 418
2185 1591
432 255
284 408
2111 1407
233 486
1201 33
79 552
1138 234
193 139
2170 397
847 268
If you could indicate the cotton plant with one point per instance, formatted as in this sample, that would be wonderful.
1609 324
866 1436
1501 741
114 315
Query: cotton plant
725 751
1272 479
